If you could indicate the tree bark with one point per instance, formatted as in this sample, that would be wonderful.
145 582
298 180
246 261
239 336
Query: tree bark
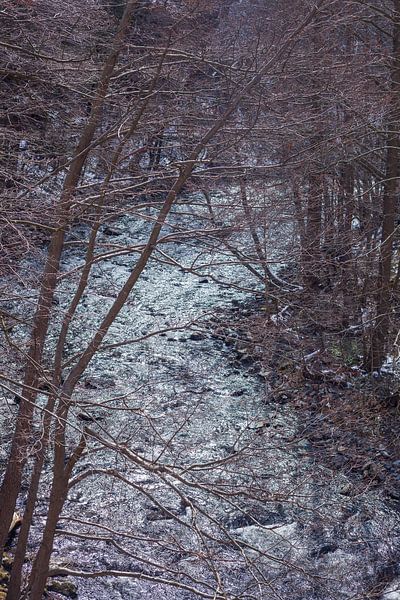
12 479
381 330
311 250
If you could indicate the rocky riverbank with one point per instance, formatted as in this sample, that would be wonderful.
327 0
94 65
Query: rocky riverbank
201 480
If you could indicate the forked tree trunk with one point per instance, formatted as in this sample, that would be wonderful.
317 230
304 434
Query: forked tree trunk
12 479
61 475
59 491
16 572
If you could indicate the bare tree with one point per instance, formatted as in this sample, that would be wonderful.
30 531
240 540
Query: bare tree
206 128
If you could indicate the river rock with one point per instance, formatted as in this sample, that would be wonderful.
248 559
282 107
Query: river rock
100 382
197 337
392 592
111 231
4 576
65 588
280 542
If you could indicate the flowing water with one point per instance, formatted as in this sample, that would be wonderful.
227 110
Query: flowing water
213 490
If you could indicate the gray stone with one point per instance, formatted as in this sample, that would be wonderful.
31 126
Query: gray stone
65 588
392 592
197 337
346 489
101 382
280 542
111 231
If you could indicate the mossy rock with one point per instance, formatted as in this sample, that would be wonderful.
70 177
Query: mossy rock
65 588
7 562
285 365
4 576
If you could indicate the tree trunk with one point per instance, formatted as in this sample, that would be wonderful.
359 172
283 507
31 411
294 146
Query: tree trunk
311 249
381 330
12 479
59 492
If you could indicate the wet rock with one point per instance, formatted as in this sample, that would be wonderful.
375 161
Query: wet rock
238 393
324 549
65 588
346 489
197 337
392 592
101 382
111 231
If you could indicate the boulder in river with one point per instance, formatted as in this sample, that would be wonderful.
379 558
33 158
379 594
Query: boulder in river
65 588
101 382
197 337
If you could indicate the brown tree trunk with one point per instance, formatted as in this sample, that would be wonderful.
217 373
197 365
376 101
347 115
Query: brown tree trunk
381 330
348 282
12 479
61 475
16 573
59 491
312 238
14 586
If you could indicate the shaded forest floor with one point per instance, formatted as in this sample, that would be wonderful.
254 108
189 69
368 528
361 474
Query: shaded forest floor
351 419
